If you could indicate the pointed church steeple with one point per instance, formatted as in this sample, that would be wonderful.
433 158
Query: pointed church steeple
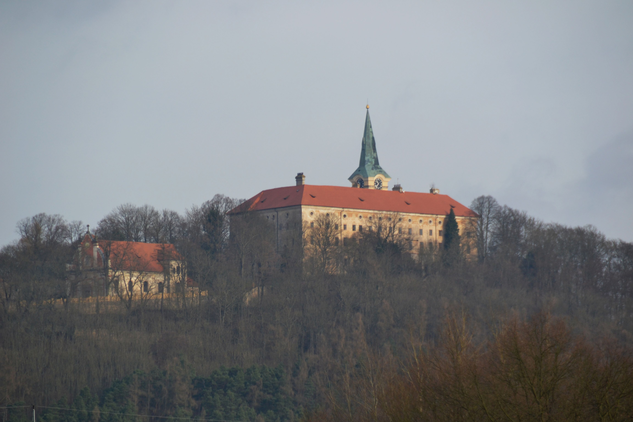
369 174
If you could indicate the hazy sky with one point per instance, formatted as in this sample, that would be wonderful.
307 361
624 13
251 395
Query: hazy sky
169 102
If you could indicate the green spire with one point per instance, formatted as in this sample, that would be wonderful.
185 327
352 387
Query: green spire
368 165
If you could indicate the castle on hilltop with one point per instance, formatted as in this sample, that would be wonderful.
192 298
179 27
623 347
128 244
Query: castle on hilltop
365 206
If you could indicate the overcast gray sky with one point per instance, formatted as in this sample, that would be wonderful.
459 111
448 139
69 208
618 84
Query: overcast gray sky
168 102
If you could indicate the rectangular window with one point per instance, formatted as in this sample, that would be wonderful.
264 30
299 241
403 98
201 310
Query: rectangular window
399 230
336 227
410 231
440 232
360 228
145 286
430 232
344 241
344 226
161 287
336 241
421 232
312 224
354 227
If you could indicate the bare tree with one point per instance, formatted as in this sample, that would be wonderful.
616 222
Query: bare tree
322 244
487 208
170 227
252 244
39 259
148 220
509 239
383 246
207 225
121 224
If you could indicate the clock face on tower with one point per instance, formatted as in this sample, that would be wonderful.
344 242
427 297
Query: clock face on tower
360 183
378 183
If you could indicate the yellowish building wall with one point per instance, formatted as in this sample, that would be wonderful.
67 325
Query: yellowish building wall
419 229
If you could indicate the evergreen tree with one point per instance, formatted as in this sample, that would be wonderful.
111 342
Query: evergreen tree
452 252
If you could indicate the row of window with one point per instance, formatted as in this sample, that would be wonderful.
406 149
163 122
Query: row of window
268 217
130 286
409 231
360 217
348 240
360 229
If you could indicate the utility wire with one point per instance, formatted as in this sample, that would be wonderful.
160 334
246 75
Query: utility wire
123 414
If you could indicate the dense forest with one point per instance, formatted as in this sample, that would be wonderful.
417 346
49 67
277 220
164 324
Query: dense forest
537 326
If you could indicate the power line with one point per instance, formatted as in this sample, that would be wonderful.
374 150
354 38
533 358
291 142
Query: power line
132 414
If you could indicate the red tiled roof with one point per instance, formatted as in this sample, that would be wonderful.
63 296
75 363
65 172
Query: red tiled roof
138 256
354 198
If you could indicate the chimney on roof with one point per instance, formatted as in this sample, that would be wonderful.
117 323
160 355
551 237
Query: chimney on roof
434 190
398 188
301 179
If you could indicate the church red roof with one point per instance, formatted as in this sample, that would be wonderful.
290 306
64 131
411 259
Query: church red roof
139 256
354 198
136 256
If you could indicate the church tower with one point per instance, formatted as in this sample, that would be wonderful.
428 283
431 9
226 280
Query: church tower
369 174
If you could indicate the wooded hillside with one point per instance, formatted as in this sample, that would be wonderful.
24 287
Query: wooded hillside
358 332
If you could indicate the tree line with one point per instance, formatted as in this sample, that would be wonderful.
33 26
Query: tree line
328 315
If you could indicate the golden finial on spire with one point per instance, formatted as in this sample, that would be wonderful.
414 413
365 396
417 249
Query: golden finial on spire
367 106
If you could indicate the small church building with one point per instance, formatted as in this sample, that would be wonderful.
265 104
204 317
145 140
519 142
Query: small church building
126 269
